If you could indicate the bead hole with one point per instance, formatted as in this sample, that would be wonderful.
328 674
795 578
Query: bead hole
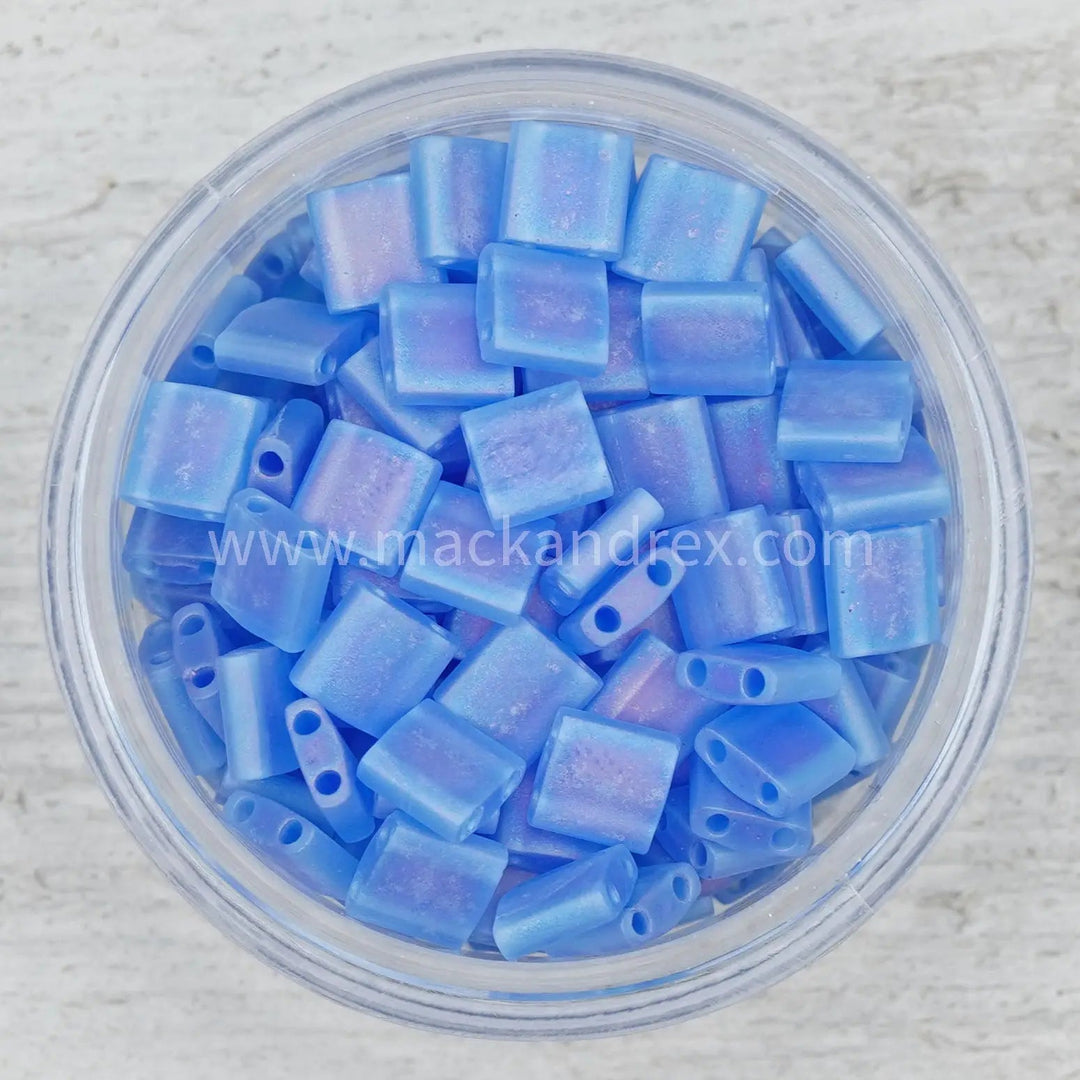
243 809
769 794
783 839
290 832
326 783
680 887
718 824
306 722
639 923
191 625
696 672
258 505
270 464
716 751
202 677
659 573
273 265
203 355
698 855
607 619
753 682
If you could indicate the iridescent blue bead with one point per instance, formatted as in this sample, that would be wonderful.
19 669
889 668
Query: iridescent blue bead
889 682
191 450
799 545
758 673
603 780
483 936
756 268
285 449
536 454
382 807
688 224
198 644
171 549
195 364
273 264
341 405
289 790
755 474
468 630
344 576
662 623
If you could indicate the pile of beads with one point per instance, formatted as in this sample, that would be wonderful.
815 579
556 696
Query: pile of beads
534 543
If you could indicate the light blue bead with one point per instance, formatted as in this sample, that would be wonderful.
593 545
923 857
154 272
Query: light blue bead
457 186
341 405
285 449
799 546
567 188
429 348
858 495
311 270
289 790
688 224
441 770
367 492
365 238
382 807
755 474
373 659
344 576
274 263
708 338
179 551
759 673
663 623
191 450
881 590
467 629
603 780
756 269
666 447
734 588
483 936
571 899
777 757
198 643
542 309
890 681
537 454
513 683
195 364
830 293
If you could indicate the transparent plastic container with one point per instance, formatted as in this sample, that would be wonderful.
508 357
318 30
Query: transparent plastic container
867 838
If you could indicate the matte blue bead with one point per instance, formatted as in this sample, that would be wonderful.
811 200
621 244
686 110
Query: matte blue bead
688 224
734 588
255 689
195 364
756 268
365 238
170 549
311 270
708 338
571 899
513 683
755 474
274 263
603 780
536 454
198 643
191 450
881 590
367 492
483 936
341 405
730 890
567 188
382 807
273 572
666 447
857 495
799 546
830 293
663 623
542 309
329 768
467 629
759 673
889 681
344 576
289 790
610 542
777 757
457 186
373 659
285 449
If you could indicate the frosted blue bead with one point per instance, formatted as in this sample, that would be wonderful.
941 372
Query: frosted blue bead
603 780
285 449
344 576
623 603
365 238
457 186
195 364
542 309
830 293
274 263
329 768
467 629
708 338
513 683
755 474
799 546
191 450
292 843
382 807
756 268
429 348
734 588
889 682
666 447
729 890
289 790
311 270
367 492
536 454
273 572
774 756
571 899
688 224
254 686
414 883
341 405
759 673
860 495
881 590
663 623
610 542
483 936
198 643
567 188
176 550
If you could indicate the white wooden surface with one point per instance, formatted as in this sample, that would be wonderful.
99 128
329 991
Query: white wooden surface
966 110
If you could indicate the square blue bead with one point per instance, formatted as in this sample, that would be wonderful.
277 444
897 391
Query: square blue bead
745 433
169 549
802 559
756 268
195 364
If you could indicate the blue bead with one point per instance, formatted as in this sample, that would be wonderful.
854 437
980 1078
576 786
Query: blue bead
603 780
571 899
542 309
734 588
191 450
759 673
756 268
457 186
858 495
289 790
777 757
755 474
881 590
344 576
467 629
341 405
688 224
373 659
799 545
889 682
536 454
441 770
483 936
285 449
311 270
274 263
708 338
175 550
365 238
382 807
195 364
567 188
830 293
198 644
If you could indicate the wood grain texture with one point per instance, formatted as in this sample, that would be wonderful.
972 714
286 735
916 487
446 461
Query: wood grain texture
965 110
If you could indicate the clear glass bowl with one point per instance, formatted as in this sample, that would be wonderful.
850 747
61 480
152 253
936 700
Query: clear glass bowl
868 837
